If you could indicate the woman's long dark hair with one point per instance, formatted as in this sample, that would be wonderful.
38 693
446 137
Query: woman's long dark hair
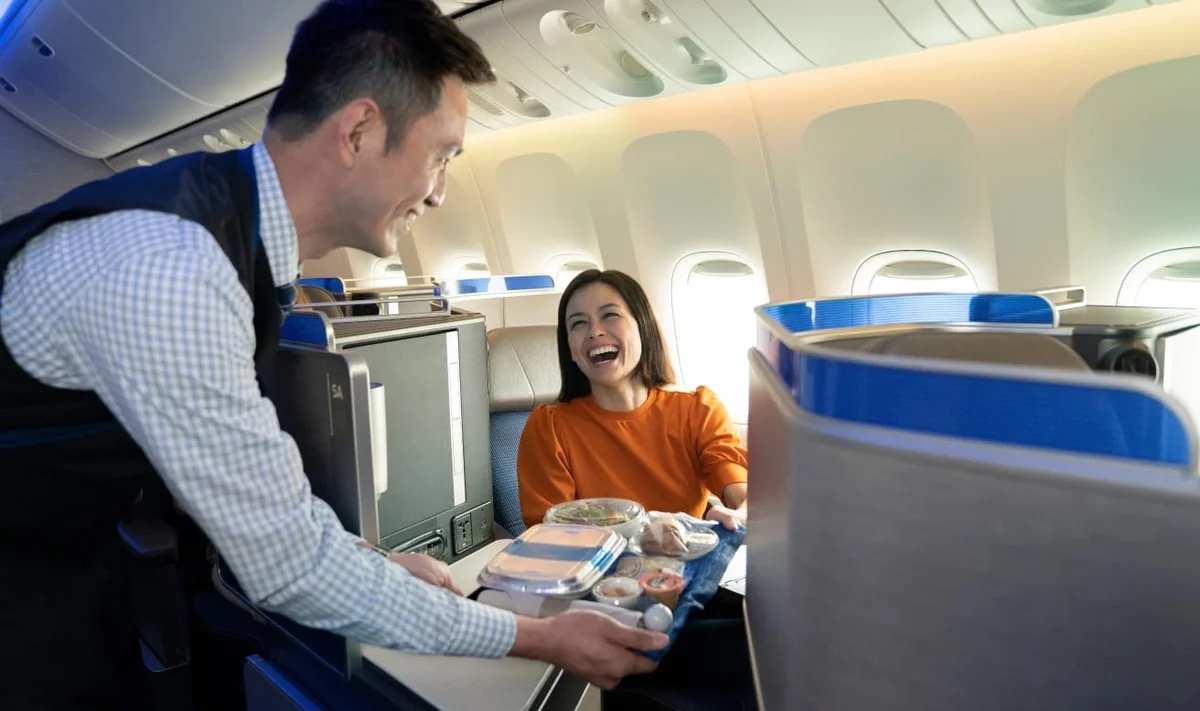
654 368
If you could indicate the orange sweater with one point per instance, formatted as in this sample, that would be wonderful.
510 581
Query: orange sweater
666 455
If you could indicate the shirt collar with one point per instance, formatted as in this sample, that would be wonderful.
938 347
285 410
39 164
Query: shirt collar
275 225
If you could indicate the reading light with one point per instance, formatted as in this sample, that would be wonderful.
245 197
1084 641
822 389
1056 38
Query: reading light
577 25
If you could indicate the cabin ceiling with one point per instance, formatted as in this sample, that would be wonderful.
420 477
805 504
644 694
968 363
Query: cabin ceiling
145 83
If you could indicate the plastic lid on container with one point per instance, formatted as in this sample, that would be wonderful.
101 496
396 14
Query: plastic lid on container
557 560
595 512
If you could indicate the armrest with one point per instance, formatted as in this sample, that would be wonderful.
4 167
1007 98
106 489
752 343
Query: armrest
151 543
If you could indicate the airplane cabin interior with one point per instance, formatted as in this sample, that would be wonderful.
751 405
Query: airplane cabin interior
939 259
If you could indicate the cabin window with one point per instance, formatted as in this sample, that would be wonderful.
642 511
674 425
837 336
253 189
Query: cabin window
471 268
566 267
1170 278
912 271
713 296
388 272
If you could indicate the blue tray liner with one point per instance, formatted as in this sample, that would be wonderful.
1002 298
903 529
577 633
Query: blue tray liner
701 579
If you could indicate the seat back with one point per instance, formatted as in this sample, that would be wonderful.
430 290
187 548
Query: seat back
311 295
1031 349
522 373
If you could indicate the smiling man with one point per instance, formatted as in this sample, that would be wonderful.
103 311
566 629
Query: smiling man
135 314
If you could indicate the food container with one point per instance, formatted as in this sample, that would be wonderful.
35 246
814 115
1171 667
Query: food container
663 587
676 536
554 560
621 515
619 591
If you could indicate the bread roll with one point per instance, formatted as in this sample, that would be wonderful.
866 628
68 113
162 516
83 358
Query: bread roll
664 535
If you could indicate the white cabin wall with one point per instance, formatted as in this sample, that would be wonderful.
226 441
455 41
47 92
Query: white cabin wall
989 121
1133 171
457 232
34 169
660 180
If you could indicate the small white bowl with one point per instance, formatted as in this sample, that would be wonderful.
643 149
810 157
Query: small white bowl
617 590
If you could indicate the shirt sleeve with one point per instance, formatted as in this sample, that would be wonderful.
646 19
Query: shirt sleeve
165 339
722 456
543 476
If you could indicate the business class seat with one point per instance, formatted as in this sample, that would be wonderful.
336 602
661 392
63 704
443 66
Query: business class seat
312 296
1029 349
1033 350
522 373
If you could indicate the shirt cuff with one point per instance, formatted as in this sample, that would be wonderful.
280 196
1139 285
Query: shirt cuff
481 631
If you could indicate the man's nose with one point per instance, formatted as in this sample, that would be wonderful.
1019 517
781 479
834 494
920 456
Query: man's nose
438 195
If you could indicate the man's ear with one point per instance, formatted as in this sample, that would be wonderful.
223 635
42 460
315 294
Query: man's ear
353 122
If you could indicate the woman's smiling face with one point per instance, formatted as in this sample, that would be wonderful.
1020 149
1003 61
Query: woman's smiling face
603 335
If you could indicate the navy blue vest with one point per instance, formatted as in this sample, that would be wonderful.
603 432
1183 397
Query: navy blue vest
70 472
80 470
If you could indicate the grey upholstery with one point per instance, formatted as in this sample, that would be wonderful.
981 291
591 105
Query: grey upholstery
1033 349
522 367
522 373
313 295
908 578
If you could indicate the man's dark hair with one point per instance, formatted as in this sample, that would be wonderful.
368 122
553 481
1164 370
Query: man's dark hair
654 369
395 52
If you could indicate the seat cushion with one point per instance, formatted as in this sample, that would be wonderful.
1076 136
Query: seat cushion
506 429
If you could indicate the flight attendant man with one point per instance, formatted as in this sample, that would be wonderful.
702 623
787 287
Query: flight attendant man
134 313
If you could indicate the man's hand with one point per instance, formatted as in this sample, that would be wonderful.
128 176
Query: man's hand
426 568
588 644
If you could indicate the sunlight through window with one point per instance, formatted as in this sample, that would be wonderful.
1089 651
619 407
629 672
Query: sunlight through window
713 306
1175 285
566 267
912 271
1170 278
912 277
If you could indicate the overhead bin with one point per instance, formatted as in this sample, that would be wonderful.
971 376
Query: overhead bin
474 128
833 32
926 21
968 17
236 128
449 7
1006 15
578 41
518 95
1055 12
753 28
100 82
75 85
215 51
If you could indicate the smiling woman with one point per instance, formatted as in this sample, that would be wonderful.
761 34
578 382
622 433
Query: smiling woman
616 431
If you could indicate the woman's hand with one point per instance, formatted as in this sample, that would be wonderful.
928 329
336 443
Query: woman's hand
727 517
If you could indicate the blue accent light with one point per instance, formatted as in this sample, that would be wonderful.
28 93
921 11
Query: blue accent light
478 285
1099 418
8 10
501 284
532 281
